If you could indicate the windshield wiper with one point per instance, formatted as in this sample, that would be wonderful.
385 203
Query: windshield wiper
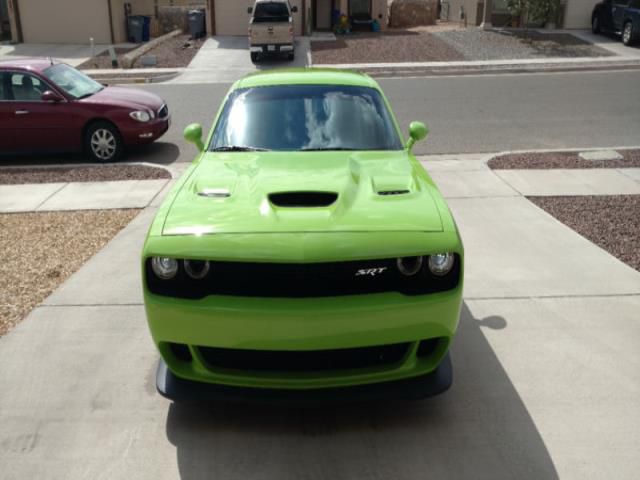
239 148
327 149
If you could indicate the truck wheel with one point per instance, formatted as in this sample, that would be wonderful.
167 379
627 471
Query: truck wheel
254 57
291 56
595 24
627 33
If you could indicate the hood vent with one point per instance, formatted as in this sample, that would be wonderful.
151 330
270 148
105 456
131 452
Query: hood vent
393 192
303 199
214 193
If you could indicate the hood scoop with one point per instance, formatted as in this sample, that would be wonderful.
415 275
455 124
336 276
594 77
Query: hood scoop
303 199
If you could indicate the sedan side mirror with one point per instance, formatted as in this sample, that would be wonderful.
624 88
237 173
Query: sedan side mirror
193 134
417 131
51 96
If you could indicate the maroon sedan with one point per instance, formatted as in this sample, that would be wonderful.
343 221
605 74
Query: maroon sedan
52 107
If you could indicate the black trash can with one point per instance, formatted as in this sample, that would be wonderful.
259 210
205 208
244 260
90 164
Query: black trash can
139 28
135 27
197 26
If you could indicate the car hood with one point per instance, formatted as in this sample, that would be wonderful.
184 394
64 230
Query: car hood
261 192
126 97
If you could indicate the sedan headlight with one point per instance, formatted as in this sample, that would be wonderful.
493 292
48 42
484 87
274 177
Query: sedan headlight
141 116
440 263
165 268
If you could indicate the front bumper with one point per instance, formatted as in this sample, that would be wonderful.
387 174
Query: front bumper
180 390
137 133
303 325
272 48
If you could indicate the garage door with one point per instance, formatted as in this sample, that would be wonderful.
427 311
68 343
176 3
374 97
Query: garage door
232 17
65 21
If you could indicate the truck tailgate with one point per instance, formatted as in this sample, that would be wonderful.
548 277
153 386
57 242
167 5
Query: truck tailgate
271 33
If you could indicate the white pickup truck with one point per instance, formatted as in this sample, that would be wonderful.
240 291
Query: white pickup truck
271 29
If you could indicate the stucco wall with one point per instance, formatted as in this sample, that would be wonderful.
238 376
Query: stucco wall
64 21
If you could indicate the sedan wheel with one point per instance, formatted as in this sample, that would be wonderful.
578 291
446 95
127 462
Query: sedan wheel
627 33
103 142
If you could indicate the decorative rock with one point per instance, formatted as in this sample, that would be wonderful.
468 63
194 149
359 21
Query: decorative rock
412 13
599 155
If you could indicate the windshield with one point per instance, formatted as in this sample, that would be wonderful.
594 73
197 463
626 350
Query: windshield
305 117
271 12
73 82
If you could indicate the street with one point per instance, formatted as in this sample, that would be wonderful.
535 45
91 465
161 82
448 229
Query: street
467 114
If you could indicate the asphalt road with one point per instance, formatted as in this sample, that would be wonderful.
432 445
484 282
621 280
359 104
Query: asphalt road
467 114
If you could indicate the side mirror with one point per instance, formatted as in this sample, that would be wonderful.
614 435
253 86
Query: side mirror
51 96
294 9
250 10
417 131
193 134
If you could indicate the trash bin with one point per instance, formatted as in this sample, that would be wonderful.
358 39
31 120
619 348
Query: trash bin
135 26
196 23
138 27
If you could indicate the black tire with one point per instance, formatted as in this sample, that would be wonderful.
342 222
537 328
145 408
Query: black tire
627 33
103 142
291 56
595 24
254 57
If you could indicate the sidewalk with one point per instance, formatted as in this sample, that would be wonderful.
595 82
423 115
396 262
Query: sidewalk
546 372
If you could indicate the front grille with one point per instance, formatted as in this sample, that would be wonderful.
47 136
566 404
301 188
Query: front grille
304 361
163 112
292 280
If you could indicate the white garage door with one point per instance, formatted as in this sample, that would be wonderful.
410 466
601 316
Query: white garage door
232 17
578 13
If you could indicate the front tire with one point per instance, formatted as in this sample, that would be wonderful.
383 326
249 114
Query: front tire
290 57
627 34
254 57
103 142
595 25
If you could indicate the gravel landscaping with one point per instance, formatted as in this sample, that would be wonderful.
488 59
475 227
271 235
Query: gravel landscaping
18 176
611 222
41 250
175 52
389 46
541 161
476 44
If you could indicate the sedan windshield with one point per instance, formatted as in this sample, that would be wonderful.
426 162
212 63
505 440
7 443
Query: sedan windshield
73 82
305 117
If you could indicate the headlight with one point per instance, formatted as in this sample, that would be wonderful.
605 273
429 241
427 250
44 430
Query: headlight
196 269
409 266
440 264
140 116
165 268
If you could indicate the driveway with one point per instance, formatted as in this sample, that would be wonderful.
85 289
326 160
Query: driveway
72 54
225 59
545 362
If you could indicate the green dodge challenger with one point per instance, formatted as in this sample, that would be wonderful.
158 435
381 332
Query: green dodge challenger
305 254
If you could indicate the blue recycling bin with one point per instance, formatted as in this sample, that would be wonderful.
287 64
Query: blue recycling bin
138 28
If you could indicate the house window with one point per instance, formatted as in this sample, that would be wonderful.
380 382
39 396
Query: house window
359 7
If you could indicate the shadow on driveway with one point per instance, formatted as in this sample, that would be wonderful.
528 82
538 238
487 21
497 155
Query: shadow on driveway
478 429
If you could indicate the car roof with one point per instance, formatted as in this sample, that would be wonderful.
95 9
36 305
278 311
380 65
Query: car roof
305 76
29 64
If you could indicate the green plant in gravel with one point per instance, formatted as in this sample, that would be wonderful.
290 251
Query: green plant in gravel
532 10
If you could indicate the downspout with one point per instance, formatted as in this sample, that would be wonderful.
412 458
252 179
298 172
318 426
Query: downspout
113 38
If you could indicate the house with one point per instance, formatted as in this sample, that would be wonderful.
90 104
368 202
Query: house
76 21
574 14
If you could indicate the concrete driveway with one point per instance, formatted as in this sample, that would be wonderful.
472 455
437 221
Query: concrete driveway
225 59
545 362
